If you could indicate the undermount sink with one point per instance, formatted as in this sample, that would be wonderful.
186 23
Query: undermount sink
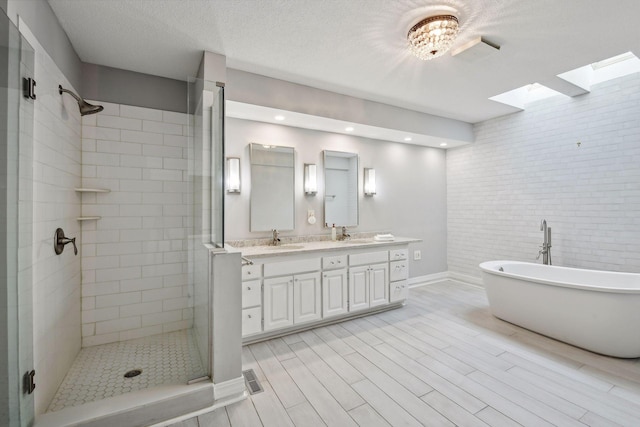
285 247
357 241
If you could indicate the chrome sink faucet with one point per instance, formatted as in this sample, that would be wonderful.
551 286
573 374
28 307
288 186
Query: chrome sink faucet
545 249
275 240
345 235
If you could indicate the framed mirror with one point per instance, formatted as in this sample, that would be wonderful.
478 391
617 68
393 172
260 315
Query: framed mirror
340 188
272 188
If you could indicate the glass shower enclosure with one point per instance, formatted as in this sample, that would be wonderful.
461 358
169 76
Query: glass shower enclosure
17 379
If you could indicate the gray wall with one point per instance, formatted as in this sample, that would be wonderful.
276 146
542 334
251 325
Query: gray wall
411 187
96 81
130 88
45 26
265 91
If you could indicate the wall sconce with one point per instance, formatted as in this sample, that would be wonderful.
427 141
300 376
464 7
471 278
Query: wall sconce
310 179
233 175
369 181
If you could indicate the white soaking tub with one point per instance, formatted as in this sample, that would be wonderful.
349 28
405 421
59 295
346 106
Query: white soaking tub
595 310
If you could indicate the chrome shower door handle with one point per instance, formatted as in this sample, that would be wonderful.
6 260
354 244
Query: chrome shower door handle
60 240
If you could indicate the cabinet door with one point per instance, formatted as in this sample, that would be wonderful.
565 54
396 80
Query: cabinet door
251 294
398 291
334 293
278 302
358 288
306 298
251 321
378 285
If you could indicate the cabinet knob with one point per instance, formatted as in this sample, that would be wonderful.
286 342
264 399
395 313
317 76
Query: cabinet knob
248 273
248 288
249 316
332 262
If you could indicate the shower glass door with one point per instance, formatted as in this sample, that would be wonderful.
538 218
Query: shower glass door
206 171
16 128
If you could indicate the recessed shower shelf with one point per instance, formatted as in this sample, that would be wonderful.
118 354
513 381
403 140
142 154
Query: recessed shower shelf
88 218
93 190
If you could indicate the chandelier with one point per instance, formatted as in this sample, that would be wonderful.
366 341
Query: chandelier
433 36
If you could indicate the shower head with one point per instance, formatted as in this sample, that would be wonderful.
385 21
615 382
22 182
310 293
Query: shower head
85 107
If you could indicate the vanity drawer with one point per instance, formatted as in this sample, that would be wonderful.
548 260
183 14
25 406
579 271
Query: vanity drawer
251 271
369 258
398 270
251 321
398 291
291 267
333 262
398 254
251 295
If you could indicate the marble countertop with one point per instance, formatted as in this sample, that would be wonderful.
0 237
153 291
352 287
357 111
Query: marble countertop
263 251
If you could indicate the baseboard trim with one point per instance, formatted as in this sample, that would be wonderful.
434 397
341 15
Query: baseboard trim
431 279
469 280
428 279
228 389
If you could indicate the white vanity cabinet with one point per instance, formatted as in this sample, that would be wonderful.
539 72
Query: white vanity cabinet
287 292
335 288
398 274
251 300
368 280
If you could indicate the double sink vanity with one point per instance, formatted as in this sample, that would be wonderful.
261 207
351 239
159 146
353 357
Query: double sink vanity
308 281
293 286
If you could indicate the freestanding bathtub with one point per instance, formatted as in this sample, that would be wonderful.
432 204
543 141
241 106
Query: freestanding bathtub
595 310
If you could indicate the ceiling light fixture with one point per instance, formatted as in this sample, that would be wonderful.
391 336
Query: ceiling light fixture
279 117
433 36
349 129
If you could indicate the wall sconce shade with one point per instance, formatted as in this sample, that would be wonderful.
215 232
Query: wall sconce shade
233 175
310 179
369 181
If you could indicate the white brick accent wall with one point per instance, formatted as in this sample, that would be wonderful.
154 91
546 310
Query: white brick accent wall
527 166
134 259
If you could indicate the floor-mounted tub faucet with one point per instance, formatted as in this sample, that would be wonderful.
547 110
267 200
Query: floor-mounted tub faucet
545 249
275 240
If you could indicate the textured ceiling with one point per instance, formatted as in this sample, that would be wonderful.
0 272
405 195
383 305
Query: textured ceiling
357 47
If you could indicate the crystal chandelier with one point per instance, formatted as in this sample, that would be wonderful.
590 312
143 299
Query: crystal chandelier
433 36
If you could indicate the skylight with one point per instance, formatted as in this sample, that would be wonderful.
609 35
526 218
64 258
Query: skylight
602 71
524 95
579 81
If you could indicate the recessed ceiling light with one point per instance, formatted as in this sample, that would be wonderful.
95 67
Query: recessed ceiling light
443 144
279 117
407 138
349 129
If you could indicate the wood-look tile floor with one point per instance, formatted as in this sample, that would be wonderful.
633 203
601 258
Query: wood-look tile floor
442 360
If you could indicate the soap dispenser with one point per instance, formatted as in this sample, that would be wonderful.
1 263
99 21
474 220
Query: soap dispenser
333 232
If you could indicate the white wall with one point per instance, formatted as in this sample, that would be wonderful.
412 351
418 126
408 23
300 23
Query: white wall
411 187
134 259
527 166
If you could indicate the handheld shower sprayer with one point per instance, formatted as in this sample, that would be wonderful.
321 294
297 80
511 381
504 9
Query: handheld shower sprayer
84 106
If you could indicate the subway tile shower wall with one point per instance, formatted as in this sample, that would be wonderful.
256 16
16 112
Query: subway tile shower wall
528 166
134 259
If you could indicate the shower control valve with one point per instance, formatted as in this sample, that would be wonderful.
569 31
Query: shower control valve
60 240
